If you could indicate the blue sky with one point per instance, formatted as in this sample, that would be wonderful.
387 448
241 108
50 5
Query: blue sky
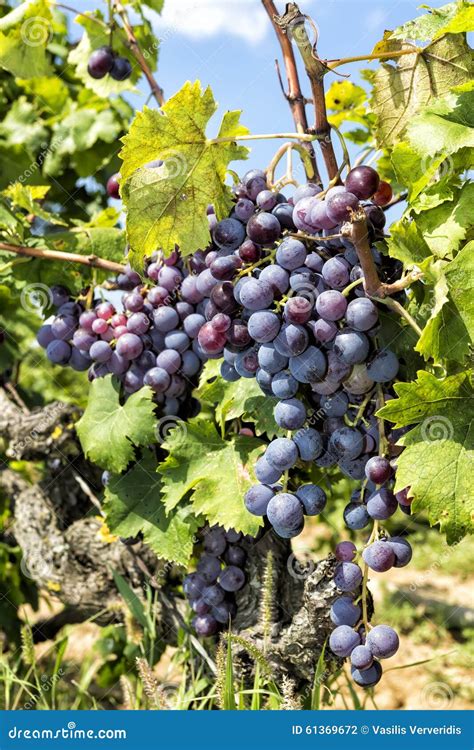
230 45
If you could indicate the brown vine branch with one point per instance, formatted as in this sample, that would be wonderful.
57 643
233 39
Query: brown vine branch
356 231
293 22
138 54
86 260
294 95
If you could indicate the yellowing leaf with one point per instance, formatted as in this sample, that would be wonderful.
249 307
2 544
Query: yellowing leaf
167 205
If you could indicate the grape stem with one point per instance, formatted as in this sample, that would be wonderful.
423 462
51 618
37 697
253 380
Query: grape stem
294 95
365 579
333 64
83 15
292 23
306 137
345 292
398 308
356 231
287 148
137 52
86 260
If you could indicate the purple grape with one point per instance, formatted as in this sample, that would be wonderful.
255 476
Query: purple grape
100 62
381 504
58 352
344 612
236 556
313 498
232 578
343 640
361 658
205 625
347 576
285 511
382 641
361 314
265 472
362 181
263 228
378 469
290 414
367 678
345 551
256 295
331 305
309 443
340 206
228 234
121 69
401 549
257 498
100 351
379 556
291 254
282 454
263 326
356 516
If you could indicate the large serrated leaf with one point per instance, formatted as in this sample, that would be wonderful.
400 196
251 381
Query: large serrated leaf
167 205
446 226
403 89
449 333
133 503
452 18
242 398
216 471
24 35
438 457
110 431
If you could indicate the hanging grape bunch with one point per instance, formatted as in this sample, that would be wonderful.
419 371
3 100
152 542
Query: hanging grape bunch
279 296
104 61
220 573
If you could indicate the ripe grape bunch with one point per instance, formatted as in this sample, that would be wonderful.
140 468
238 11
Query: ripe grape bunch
279 296
104 61
219 575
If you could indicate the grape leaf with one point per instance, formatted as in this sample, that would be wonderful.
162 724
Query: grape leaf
218 472
403 89
109 431
445 126
438 457
28 197
51 91
24 35
412 170
406 242
133 503
451 18
243 398
22 126
167 205
449 333
445 226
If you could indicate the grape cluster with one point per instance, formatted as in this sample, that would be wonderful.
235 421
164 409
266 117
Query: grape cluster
219 574
353 636
151 340
104 61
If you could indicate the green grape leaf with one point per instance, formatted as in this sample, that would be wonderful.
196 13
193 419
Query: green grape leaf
22 126
51 91
167 205
97 35
217 472
28 197
243 398
438 457
452 18
446 226
412 170
133 503
109 431
404 88
24 35
78 132
449 333
407 243
445 126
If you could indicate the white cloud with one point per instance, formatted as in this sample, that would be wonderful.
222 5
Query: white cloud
201 19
